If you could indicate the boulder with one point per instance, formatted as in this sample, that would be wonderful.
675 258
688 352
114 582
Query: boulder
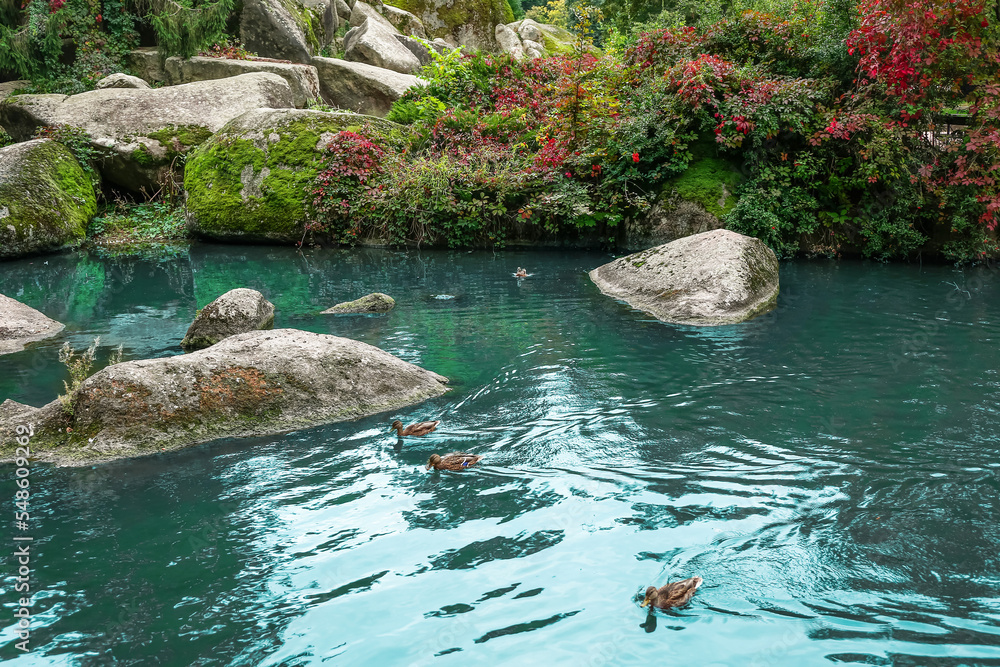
251 181
21 324
237 311
375 302
145 62
405 22
361 88
302 79
139 132
668 220
718 277
509 42
363 11
421 48
557 40
529 30
343 11
325 19
121 81
46 199
7 88
374 44
460 23
529 45
282 29
256 383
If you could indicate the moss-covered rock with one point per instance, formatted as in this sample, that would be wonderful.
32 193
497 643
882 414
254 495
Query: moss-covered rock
709 182
46 199
251 181
466 22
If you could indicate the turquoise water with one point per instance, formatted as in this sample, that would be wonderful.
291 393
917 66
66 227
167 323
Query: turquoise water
830 469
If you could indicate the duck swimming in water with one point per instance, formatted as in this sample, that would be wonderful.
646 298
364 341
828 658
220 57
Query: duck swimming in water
675 594
456 461
420 428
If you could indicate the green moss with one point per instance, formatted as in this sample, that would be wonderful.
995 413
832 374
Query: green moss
707 181
309 22
557 47
143 157
274 208
47 203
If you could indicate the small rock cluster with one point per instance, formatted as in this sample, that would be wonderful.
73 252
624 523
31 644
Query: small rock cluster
527 38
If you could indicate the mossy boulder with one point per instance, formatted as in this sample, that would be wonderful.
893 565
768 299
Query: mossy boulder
237 311
719 277
376 302
256 383
251 181
46 199
139 133
465 22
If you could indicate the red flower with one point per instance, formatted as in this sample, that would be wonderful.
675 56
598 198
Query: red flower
569 175
635 157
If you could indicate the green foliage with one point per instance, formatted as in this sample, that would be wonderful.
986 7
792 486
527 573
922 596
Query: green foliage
138 226
79 365
77 140
185 27
5 139
516 9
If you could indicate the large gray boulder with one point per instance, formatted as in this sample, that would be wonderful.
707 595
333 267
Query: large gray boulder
46 199
302 79
362 11
405 22
251 180
21 324
509 42
257 383
376 302
145 61
421 48
7 88
120 80
361 88
237 311
286 29
138 132
719 277
375 44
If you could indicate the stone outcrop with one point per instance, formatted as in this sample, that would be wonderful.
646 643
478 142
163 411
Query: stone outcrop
21 324
139 132
375 302
405 22
292 30
668 220
7 88
374 43
256 383
718 277
359 87
121 81
303 80
237 311
469 24
46 199
250 181
530 39
422 48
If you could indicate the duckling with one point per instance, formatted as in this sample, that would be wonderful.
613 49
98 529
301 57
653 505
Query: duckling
420 428
456 461
675 594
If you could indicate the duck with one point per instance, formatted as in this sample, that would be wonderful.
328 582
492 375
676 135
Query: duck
521 273
456 461
674 594
420 428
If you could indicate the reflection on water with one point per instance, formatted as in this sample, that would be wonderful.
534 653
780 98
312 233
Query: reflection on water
830 469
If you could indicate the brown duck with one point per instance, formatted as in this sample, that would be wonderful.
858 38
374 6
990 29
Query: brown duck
420 428
457 461
675 594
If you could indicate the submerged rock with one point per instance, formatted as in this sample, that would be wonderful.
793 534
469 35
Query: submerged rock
139 132
251 181
257 383
21 324
375 302
46 199
237 311
718 277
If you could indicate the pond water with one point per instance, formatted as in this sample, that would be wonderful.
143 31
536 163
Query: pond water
830 469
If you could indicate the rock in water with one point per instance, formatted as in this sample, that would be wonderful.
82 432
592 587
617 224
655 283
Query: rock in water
257 383
372 303
718 277
235 312
21 324
46 199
